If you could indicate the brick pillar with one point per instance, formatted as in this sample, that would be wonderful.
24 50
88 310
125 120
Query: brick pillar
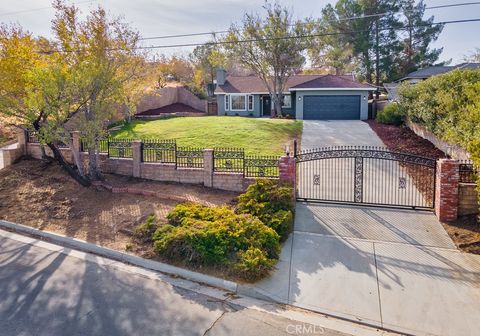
446 192
137 157
287 168
22 139
76 142
208 167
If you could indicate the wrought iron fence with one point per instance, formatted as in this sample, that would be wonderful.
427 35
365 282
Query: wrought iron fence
187 157
120 148
102 145
467 172
32 137
229 160
163 151
261 166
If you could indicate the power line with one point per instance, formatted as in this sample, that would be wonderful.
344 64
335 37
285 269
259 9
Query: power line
41 8
339 19
299 36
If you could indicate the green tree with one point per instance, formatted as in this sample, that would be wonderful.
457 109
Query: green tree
270 46
473 56
419 33
207 59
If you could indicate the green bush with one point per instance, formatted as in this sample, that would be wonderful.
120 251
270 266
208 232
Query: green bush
270 201
390 115
203 235
447 105
144 231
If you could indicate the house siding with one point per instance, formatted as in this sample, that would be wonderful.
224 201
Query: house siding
255 113
301 94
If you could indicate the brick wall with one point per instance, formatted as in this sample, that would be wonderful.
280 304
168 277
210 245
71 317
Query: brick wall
158 171
446 193
467 199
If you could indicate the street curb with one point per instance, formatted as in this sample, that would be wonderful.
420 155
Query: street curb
120 256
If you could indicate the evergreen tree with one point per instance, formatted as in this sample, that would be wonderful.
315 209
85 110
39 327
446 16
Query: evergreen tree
419 33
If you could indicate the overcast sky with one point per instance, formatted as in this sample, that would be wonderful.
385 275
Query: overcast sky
166 17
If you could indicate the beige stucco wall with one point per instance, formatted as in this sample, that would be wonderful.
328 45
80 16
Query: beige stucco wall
170 95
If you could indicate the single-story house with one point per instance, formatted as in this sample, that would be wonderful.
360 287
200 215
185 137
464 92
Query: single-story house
309 97
425 73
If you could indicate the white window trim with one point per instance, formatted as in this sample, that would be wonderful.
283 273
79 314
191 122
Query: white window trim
251 108
226 102
231 105
287 106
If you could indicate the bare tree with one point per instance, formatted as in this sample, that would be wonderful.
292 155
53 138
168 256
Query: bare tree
272 46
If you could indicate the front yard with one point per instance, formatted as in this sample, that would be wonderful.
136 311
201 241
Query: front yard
257 136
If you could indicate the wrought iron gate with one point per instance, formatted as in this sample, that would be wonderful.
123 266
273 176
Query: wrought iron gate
366 175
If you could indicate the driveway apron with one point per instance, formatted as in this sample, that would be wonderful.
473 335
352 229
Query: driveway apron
391 268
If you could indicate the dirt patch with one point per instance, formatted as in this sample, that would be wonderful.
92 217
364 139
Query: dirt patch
40 194
465 233
403 139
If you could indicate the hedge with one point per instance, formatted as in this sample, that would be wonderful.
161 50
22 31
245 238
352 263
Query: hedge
448 105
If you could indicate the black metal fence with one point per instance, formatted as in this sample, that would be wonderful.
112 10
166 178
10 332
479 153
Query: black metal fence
229 160
187 157
160 151
120 148
467 172
261 166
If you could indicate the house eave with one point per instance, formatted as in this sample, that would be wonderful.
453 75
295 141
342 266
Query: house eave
333 89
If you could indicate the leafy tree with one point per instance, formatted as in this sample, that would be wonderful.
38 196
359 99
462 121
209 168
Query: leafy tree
74 84
270 46
207 59
418 35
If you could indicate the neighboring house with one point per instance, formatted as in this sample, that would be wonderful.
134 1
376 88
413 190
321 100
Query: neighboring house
423 74
316 97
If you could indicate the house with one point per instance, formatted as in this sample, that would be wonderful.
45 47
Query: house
422 74
308 97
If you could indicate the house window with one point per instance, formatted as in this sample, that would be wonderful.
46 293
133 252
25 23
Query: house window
238 102
250 103
227 102
287 101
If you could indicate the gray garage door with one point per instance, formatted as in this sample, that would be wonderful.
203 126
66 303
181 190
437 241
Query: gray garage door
331 107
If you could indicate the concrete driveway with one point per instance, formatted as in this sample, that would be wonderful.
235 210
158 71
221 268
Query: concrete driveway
391 268
324 133
395 269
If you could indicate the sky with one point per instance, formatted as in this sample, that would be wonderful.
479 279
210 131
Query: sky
170 17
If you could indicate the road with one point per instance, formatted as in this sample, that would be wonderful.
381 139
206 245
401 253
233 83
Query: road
46 292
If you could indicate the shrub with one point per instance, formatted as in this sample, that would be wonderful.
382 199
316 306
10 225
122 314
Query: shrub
218 236
144 231
390 115
271 202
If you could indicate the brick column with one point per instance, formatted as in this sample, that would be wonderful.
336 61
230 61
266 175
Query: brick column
137 157
22 139
208 167
287 168
446 192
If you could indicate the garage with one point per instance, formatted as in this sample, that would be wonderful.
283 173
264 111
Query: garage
331 107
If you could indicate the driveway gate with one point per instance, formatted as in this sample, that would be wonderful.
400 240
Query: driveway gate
366 175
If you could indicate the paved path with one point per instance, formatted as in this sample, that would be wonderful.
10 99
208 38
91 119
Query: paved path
321 133
391 268
46 292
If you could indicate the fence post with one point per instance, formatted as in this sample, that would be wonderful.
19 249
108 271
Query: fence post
208 167
446 190
136 157
288 170
22 139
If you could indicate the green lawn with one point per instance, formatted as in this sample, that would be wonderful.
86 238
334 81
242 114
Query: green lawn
257 136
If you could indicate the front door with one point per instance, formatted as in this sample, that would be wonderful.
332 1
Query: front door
266 105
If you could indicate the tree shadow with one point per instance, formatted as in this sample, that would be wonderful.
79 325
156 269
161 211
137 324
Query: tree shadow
50 293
